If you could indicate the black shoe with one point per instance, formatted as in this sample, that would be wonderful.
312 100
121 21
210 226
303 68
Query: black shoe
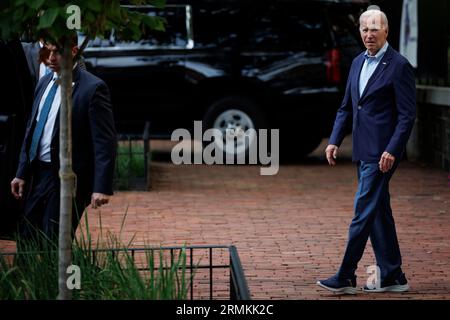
339 285
398 285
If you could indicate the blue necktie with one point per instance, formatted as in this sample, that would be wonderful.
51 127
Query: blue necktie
42 120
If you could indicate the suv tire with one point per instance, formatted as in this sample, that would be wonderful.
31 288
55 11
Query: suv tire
234 112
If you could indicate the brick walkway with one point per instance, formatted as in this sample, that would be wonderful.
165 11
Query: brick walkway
289 229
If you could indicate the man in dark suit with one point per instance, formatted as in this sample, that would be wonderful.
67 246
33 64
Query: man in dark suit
380 99
94 149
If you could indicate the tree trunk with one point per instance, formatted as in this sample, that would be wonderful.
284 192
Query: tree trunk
66 174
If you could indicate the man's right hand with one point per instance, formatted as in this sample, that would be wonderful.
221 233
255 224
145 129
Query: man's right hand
17 188
331 153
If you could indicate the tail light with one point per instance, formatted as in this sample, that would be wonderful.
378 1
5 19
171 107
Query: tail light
334 66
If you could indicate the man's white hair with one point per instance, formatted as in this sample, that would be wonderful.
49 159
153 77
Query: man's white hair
377 13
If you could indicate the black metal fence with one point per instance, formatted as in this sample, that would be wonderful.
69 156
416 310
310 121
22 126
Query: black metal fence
215 270
132 169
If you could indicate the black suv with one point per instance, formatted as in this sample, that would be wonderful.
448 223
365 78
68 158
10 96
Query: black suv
248 64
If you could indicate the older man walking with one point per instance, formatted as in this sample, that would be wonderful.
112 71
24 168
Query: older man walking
380 100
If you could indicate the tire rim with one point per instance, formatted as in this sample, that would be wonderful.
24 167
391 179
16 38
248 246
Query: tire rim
233 124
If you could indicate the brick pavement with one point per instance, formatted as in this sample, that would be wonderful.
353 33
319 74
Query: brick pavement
289 229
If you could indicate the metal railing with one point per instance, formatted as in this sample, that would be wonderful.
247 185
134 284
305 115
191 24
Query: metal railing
133 159
202 284
220 277
238 284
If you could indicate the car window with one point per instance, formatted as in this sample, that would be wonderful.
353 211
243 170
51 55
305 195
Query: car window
286 27
216 25
345 28
344 25
177 34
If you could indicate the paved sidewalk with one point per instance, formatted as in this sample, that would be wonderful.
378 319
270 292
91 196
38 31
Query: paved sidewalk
289 229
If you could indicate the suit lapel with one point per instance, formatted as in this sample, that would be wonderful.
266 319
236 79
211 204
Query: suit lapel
355 82
378 72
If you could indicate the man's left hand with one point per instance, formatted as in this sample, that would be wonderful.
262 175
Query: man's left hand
386 162
99 199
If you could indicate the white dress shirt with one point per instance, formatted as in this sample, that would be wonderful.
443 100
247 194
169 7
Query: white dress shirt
370 64
46 138
43 69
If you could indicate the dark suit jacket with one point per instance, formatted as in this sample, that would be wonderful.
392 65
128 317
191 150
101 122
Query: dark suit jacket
384 115
93 135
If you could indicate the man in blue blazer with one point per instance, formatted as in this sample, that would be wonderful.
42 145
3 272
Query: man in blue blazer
93 154
380 100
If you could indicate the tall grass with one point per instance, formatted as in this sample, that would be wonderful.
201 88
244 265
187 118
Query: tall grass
108 271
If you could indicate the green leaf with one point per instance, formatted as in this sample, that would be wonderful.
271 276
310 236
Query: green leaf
6 30
158 3
89 17
47 19
135 32
35 4
154 23
114 13
98 16
95 6
160 24
18 14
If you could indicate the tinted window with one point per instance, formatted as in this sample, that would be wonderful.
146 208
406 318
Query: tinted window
216 26
176 35
345 27
286 27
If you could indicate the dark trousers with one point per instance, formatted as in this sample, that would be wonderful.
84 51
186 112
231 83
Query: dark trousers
42 206
373 218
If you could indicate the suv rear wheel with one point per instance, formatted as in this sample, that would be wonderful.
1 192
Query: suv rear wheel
233 116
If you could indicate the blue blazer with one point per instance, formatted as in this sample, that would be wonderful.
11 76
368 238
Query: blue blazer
94 139
384 115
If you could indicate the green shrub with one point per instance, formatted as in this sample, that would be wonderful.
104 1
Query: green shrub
108 271
130 164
